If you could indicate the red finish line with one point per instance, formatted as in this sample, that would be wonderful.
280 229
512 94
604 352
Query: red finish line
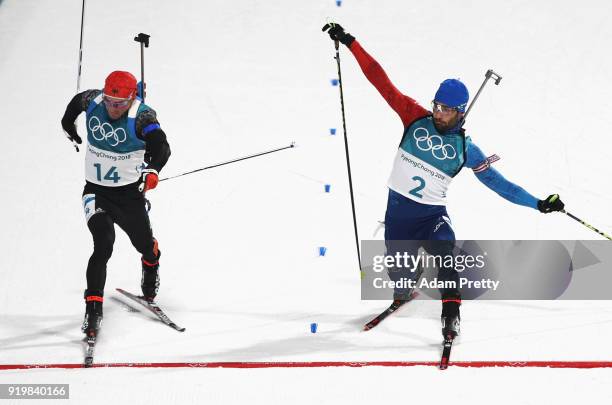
321 364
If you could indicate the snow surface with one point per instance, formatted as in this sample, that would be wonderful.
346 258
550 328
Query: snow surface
240 268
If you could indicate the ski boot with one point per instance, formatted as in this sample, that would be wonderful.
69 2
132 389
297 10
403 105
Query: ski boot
451 318
93 313
401 296
150 277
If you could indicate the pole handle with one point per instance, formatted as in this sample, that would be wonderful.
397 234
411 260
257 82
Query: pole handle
491 74
143 39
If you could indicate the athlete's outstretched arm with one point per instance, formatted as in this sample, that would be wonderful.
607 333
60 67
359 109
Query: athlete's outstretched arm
408 109
510 191
481 165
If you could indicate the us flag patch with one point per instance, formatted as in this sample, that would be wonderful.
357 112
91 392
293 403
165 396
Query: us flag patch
486 164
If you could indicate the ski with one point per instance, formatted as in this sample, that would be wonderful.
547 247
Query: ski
154 308
395 305
446 352
89 353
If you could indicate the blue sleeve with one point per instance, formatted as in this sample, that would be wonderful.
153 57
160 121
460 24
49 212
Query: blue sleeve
495 181
474 155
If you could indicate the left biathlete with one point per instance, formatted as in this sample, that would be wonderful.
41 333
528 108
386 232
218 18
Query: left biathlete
433 150
126 149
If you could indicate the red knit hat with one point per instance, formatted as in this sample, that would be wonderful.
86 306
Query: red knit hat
120 85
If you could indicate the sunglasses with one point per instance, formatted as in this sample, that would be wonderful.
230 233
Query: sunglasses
441 108
115 102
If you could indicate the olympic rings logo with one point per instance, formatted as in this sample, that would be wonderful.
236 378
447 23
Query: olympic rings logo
435 144
105 131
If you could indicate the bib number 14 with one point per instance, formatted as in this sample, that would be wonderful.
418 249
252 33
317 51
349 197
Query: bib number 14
421 186
112 173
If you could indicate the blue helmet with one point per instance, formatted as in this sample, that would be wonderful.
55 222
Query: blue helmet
453 93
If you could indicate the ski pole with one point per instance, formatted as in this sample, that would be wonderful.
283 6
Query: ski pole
229 161
81 48
76 146
346 149
144 43
591 227
489 74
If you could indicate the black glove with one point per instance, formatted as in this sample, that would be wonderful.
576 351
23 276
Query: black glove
73 135
550 204
336 32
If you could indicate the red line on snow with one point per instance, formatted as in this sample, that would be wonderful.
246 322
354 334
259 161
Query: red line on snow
315 364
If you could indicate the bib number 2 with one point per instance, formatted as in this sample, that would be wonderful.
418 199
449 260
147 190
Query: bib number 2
112 173
421 186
